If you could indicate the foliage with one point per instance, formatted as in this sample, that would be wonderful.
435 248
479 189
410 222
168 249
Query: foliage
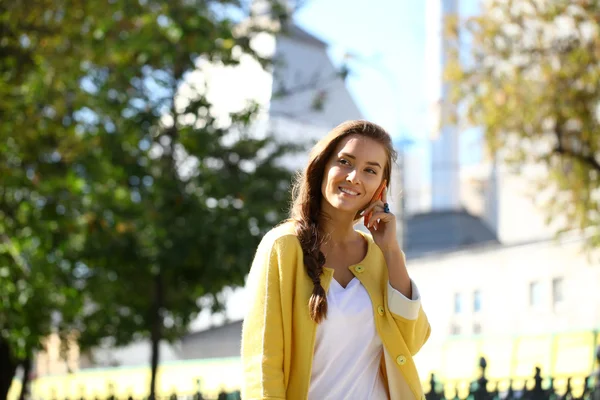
125 198
531 81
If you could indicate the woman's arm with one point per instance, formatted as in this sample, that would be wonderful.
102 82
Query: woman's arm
403 297
404 302
396 264
262 330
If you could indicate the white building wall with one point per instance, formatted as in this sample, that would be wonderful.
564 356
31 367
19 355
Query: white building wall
508 201
417 187
503 276
520 212
137 353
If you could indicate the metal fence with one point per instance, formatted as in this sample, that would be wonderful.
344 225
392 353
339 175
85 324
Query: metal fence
480 388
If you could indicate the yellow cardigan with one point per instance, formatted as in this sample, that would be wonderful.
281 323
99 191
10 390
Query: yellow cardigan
278 335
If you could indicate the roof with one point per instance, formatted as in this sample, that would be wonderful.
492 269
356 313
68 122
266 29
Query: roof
442 231
236 324
295 32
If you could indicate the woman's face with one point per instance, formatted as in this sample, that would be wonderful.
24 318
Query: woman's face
353 173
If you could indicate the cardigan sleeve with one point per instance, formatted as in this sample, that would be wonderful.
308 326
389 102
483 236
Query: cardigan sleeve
262 332
409 317
401 305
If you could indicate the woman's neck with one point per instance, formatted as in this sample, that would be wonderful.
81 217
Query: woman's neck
338 230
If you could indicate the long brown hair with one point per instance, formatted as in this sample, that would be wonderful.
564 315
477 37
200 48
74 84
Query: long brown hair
307 196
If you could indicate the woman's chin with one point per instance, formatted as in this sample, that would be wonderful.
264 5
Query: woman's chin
346 208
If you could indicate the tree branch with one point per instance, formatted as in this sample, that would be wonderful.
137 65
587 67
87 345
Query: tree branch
589 160
15 255
561 149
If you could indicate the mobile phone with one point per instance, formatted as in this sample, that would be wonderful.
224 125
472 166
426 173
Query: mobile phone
377 196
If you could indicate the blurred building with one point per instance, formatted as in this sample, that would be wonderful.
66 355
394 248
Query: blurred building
300 99
57 359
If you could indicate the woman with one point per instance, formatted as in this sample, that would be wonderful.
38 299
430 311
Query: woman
333 313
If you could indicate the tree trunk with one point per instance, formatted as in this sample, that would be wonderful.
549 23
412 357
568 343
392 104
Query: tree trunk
26 364
8 367
155 334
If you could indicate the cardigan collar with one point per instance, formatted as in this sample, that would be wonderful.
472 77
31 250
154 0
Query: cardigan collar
365 262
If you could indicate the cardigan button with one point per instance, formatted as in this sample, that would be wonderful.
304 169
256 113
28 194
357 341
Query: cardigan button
381 310
401 360
359 268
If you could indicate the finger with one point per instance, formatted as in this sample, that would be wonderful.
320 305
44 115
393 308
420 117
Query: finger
381 216
377 208
384 195
379 222
371 206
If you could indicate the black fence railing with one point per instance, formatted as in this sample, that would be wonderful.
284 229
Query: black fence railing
480 388
476 390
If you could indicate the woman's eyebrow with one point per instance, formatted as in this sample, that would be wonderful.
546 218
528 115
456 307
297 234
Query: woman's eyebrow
374 163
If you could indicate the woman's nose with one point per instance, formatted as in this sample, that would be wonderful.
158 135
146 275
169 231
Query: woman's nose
352 176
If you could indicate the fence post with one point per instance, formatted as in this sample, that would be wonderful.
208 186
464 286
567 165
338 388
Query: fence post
495 394
456 393
568 393
596 388
551 391
481 393
537 393
433 394
511 392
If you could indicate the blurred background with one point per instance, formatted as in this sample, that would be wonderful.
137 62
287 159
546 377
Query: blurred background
146 146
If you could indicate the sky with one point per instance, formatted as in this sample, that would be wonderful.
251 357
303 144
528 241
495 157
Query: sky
387 81
387 38
388 77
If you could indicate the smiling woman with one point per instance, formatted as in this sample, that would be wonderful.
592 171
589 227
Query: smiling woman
353 171
333 313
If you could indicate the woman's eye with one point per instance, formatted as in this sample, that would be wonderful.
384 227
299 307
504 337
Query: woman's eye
371 171
343 162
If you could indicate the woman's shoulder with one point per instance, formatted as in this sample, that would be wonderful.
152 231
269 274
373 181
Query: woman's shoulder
365 234
282 236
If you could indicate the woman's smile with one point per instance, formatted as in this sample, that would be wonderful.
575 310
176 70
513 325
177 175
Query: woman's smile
349 192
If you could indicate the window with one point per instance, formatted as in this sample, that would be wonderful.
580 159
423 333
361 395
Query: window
535 294
476 301
557 291
454 330
457 303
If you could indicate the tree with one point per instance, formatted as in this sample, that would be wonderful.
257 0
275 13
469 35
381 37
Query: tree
531 81
39 230
124 197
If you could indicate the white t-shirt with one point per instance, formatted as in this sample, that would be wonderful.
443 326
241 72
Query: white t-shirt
348 349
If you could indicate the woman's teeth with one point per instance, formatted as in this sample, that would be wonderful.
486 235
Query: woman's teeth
347 191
